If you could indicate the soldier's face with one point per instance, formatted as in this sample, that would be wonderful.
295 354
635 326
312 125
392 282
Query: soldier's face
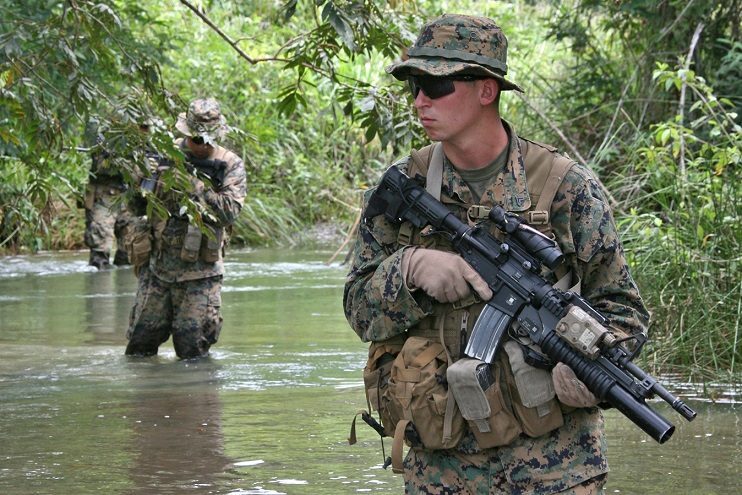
446 117
198 147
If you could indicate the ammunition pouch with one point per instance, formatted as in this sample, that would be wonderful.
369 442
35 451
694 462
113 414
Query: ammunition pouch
381 356
520 396
211 244
188 242
418 392
532 391
191 244
484 402
139 244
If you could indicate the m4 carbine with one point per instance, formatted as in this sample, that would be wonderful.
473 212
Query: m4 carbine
211 169
563 324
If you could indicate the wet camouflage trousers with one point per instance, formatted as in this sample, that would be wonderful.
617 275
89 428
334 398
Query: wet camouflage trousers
447 472
567 461
106 218
190 311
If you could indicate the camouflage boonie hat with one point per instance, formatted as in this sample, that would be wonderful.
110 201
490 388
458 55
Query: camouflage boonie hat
456 44
203 118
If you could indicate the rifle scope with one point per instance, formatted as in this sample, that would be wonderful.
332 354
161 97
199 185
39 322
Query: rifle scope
536 243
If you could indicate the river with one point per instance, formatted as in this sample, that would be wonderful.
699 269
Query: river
268 412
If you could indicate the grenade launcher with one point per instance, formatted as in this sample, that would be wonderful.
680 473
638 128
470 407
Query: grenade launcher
563 324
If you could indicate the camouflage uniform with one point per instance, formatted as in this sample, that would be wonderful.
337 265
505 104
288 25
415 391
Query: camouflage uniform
379 305
106 216
181 295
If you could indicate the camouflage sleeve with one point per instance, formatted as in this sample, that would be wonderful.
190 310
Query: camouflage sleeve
378 304
226 203
586 232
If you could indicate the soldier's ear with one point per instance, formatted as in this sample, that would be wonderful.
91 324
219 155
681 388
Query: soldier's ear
488 91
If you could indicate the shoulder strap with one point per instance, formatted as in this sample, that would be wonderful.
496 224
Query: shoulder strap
560 165
545 171
435 172
420 161
428 162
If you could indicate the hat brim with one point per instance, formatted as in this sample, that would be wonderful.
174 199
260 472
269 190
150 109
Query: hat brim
443 67
182 126
209 137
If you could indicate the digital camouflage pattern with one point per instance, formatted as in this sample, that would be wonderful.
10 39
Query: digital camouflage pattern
455 43
106 219
222 207
379 305
203 118
543 465
190 311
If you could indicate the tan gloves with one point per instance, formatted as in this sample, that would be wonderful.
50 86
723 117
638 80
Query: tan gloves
570 390
444 276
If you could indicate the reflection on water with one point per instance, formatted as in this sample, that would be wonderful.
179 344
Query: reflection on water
268 413
175 417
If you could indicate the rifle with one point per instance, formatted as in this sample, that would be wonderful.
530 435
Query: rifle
563 324
214 170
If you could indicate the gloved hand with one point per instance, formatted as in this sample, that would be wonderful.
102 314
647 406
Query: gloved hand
570 390
444 276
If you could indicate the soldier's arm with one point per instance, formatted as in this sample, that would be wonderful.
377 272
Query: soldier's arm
586 232
224 204
378 305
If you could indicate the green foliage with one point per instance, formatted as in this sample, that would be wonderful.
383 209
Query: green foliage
636 95
613 50
302 84
61 63
684 229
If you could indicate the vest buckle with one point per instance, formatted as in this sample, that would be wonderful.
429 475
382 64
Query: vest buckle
478 212
538 217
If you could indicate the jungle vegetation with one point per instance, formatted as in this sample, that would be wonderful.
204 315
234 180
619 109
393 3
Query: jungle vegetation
645 92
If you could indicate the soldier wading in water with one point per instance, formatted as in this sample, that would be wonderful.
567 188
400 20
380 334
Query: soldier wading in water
180 268
406 291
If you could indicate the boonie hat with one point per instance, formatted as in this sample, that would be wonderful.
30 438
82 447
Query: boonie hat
458 44
203 118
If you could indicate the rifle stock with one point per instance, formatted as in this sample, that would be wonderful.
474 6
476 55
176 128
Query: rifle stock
529 305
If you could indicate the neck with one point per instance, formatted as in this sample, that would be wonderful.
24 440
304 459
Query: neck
478 147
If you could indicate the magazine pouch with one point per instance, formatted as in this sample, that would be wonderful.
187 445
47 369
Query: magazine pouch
532 391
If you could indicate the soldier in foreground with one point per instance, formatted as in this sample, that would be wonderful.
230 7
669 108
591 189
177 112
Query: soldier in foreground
180 268
416 301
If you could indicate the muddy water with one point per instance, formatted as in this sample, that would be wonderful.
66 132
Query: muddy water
268 413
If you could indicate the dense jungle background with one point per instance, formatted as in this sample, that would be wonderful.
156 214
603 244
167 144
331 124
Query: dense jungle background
647 93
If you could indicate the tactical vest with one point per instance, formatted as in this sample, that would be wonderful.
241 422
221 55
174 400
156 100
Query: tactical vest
511 412
185 240
545 170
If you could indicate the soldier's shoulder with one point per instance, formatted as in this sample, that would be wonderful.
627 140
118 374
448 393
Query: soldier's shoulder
403 164
539 145
227 155
580 173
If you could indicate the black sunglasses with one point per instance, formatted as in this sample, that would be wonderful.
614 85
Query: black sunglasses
436 87
197 140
